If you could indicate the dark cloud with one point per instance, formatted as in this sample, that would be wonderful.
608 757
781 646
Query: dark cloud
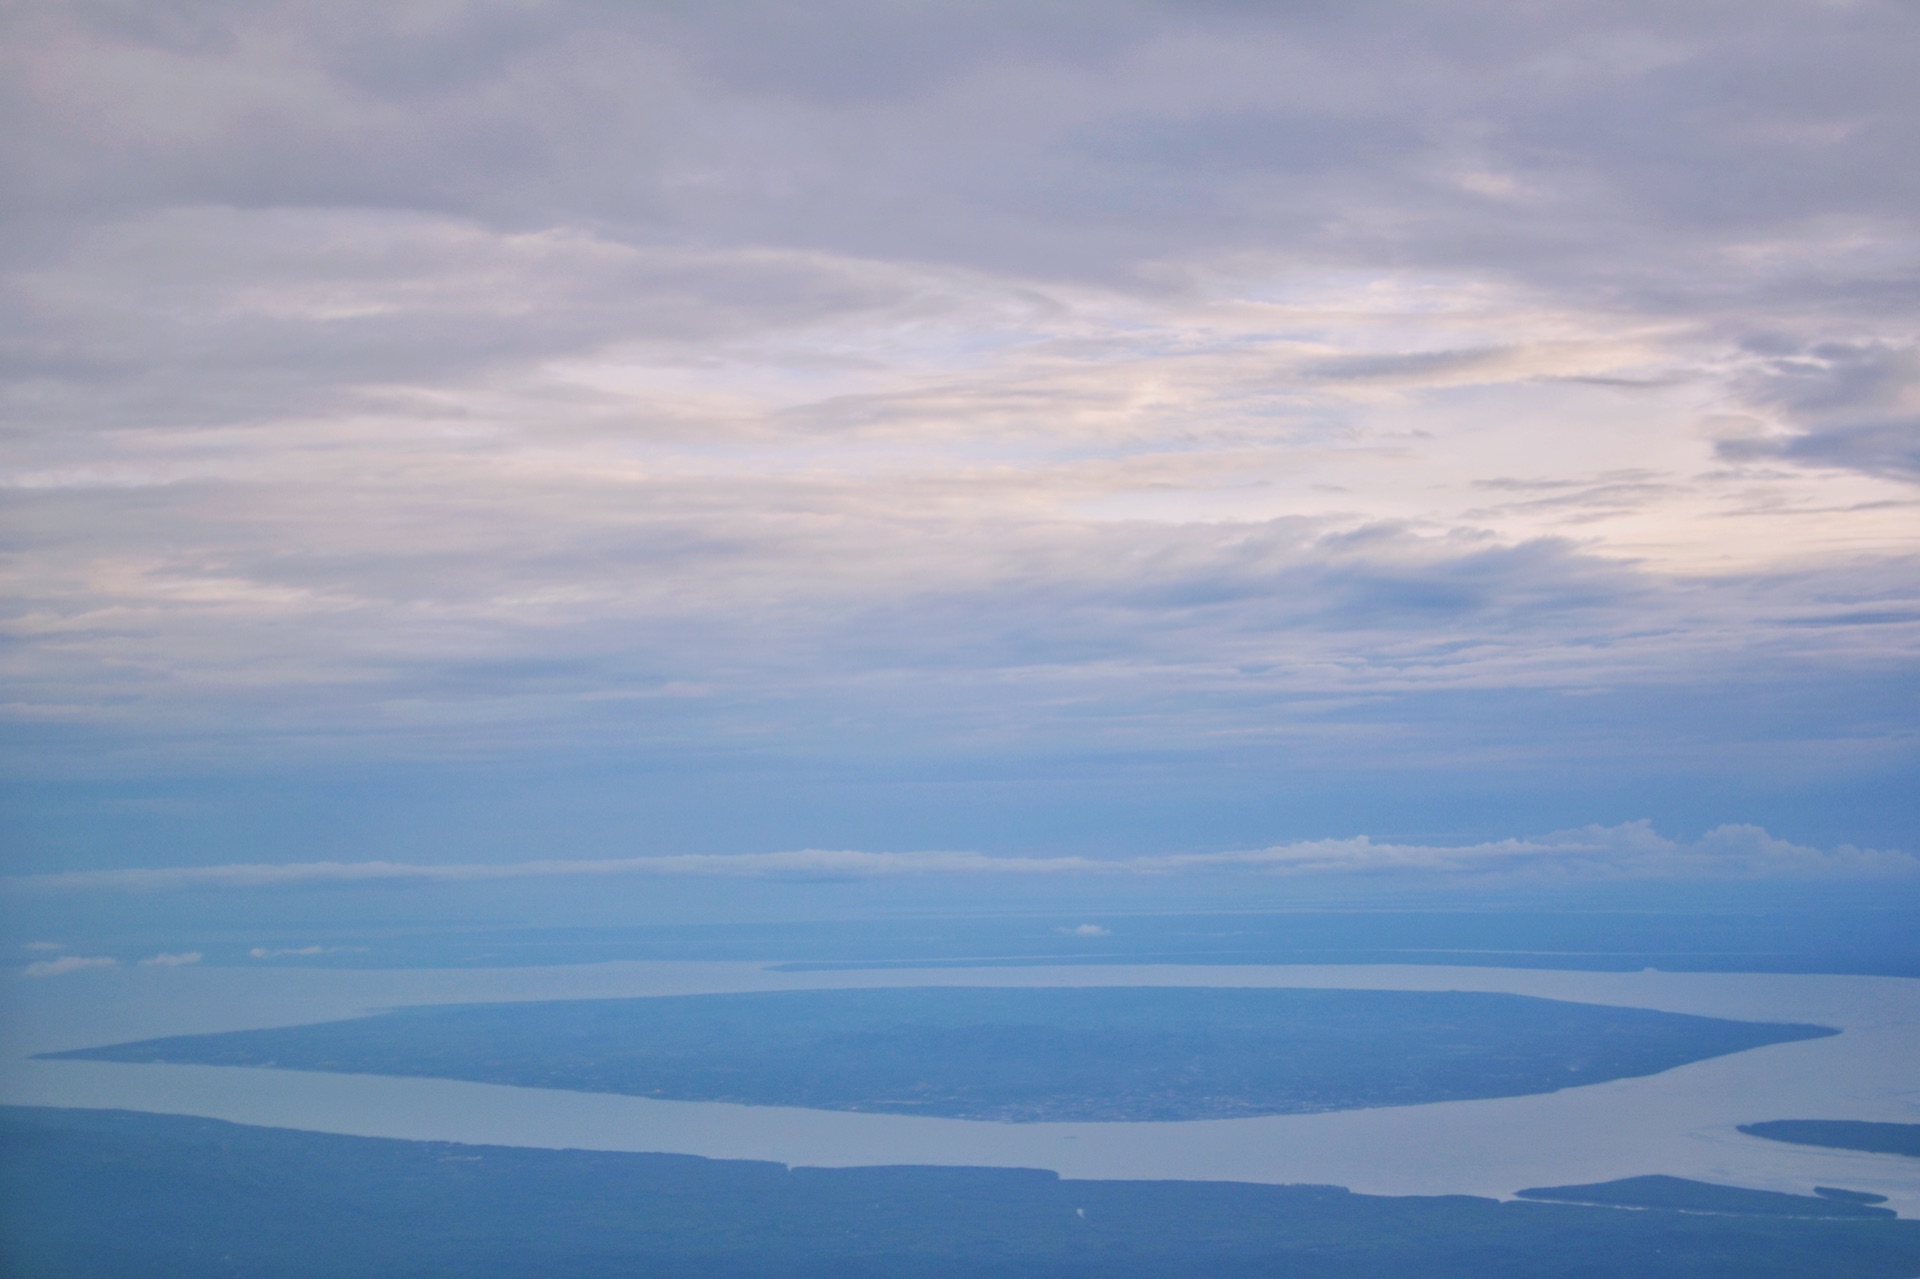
950 131
1853 405
208 315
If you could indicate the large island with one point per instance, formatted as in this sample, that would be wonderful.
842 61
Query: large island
1008 1053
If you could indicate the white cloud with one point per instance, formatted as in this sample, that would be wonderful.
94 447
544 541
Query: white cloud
1088 930
43 945
275 952
1632 850
68 964
166 960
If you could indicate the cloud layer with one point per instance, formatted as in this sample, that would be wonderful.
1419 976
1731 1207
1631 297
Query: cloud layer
1634 850
1380 387
68 964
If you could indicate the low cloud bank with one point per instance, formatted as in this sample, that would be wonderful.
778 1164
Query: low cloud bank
68 964
276 952
165 960
1630 850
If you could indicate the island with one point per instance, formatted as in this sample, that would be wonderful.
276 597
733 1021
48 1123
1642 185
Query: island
1842 1134
1683 1195
1008 1054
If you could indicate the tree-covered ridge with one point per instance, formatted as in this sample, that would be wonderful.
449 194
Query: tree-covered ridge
85 1194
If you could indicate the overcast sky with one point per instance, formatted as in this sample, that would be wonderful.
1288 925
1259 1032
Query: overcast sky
475 432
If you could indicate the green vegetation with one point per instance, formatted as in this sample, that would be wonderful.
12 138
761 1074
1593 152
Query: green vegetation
89 1194
1842 1134
1700 1196
1010 1054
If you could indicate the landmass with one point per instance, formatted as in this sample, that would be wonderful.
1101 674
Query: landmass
96 1193
1683 1195
1008 1054
1842 1134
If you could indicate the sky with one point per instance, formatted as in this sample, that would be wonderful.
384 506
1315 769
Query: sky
521 435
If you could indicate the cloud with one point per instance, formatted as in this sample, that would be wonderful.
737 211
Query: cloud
1838 404
1088 138
166 960
68 964
937 386
1087 930
1632 850
275 952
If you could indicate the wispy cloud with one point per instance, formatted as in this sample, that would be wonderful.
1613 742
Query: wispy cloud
171 960
1631 850
68 964
1853 405
276 952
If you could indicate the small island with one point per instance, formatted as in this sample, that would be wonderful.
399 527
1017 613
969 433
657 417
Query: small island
1682 1195
1842 1134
